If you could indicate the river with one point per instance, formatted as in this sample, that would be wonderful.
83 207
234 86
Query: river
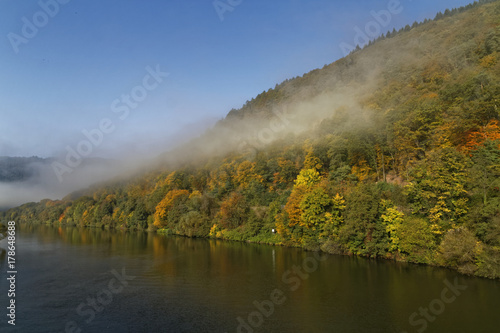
74 280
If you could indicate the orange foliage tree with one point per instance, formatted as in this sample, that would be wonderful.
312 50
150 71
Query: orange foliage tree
477 138
233 211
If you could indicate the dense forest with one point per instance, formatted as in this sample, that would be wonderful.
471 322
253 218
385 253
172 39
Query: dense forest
391 152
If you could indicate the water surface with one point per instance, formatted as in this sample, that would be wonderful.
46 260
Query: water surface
177 284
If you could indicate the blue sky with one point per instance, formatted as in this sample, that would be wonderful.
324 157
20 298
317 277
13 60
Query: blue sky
64 78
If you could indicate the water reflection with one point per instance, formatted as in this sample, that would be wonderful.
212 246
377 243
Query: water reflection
203 285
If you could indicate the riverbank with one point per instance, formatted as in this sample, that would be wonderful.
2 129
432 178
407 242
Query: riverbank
275 239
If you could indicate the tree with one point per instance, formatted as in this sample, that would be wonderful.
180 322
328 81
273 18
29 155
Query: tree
233 211
140 216
361 214
307 178
459 249
392 219
486 168
489 132
245 173
437 188
314 206
311 160
292 206
334 219
193 224
287 170
415 240
172 200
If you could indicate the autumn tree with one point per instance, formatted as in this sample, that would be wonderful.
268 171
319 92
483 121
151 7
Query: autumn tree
246 173
233 211
392 219
314 207
438 188
170 208
489 132
311 160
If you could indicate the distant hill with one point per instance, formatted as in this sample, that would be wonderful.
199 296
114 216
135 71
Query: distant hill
18 169
24 179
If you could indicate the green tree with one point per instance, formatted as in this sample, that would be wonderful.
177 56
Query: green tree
314 206
415 240
486 168
459 249
438 188
392 219
361 214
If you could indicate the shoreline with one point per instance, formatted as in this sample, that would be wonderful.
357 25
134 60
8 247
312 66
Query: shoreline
164 232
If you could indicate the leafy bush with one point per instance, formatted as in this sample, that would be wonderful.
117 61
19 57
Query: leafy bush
459 249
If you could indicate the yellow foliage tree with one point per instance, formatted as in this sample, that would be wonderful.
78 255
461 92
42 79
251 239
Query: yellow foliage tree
307 178
245 173
392 218
361 170
165 205
311 161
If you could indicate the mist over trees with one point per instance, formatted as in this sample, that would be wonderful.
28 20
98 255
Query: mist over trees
391 152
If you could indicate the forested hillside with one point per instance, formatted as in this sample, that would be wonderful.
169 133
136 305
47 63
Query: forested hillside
391 152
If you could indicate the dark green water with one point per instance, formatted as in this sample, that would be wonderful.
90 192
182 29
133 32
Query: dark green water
65 280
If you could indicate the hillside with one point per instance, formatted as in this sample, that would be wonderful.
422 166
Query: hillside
391 152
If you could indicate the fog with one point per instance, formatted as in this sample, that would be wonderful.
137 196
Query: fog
342 86
55 177
45 183
244 134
